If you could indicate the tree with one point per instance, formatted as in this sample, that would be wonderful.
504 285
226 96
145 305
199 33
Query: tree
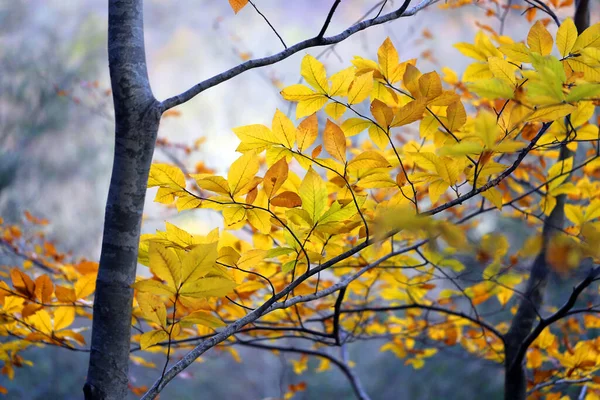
378 230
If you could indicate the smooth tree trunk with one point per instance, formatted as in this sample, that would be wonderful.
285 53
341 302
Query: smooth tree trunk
137 116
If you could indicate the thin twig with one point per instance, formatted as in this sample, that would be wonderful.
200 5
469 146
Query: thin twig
328 19
402 11
268 23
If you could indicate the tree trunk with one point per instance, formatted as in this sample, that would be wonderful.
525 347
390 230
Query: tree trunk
137 116
515 379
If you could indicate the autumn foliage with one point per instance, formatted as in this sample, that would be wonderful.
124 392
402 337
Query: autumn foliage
359 218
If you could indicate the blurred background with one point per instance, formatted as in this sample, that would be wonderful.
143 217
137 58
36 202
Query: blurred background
56 134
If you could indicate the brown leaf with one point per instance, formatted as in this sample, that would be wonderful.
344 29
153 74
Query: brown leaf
287 199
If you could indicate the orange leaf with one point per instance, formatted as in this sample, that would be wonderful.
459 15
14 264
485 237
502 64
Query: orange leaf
315 153
237 5
65 295
44 288
287 199
22 282
307 132
275 177
335 141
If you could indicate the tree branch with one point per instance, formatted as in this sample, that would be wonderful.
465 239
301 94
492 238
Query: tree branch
562 312
329 17
272 304
402 11
360 392
437 309
268 23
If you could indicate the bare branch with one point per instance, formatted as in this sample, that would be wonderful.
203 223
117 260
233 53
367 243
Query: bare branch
556 382
441 310
403 11
328 19
360 392
562 312
268 23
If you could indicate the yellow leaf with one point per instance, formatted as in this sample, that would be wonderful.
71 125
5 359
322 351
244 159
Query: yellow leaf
242 172
508 146
503 70
588 38
445 99
165 264
583 113
411 112
166 175
337 213
471 50
436 189
516 52
153 308
284 129
203 318
324 365
85 286
311 106
307 132
234 215
539 39
252 259
566 37
313 194
151 338
494 196
559 172
492 89
388 59
378 136
476 72
334 141
208 287
259 219
411 80
430 85
456 115
361 88
313 71
198 262
486 128
254 137
299 92
216 184
41 321
152 286
462 149
340 82
367 160
380 180
354 126
551 113
588 132
63 317
335 110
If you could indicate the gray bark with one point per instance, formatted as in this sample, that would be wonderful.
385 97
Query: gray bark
137 116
